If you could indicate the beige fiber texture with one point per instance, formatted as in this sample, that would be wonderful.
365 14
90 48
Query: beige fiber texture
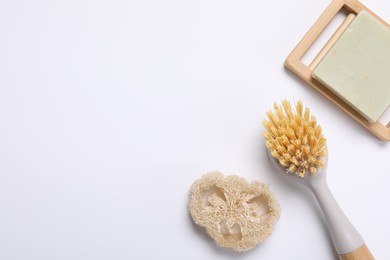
295 139
235 213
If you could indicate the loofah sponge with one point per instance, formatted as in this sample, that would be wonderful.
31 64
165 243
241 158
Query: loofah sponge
235 213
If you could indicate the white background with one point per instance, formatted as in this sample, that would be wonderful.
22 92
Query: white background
109 110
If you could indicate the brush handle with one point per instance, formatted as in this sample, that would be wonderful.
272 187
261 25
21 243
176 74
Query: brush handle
347 240
361 253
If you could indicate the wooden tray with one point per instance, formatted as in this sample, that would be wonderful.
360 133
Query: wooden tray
294 63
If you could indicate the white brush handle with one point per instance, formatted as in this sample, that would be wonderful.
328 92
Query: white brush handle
346 238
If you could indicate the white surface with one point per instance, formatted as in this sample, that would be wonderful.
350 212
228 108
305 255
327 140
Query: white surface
109 111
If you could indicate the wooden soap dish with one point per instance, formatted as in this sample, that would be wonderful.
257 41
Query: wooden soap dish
294 63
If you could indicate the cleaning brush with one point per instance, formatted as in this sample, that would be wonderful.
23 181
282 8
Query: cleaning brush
298 148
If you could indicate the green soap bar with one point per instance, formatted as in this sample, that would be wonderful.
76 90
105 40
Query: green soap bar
357 67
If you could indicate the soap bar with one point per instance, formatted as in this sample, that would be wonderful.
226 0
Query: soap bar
357 67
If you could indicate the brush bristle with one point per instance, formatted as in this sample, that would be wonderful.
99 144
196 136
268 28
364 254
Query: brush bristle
295 139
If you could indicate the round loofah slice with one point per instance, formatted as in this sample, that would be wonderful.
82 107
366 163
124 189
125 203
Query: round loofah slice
235 213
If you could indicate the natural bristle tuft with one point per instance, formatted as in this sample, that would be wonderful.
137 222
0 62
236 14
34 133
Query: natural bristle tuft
295 139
